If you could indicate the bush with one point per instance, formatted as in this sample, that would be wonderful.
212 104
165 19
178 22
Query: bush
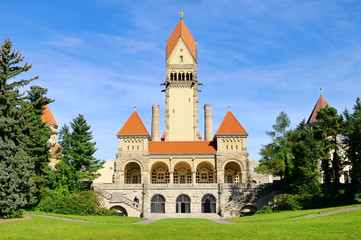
13 214
82 203
266 209
107 212
284 202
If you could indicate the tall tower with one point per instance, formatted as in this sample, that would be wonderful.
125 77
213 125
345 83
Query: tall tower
181 86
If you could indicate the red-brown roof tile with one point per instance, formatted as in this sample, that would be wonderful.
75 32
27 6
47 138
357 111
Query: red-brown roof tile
179 31
321 103
47 116
181 147
230 126
133 126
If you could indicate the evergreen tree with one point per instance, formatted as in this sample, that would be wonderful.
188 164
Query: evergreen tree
328 131
353 142
16 165
276 155
77 167
303 176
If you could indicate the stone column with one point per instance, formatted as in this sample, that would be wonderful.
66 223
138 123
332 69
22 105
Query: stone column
208 127
171 177
155 122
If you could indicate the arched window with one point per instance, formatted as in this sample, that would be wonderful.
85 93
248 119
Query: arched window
179 76
232 173
187 76
157 204
205 173
191 76
183 76
132 173
182 173
160 173
208 204
174 76
183 204
171 76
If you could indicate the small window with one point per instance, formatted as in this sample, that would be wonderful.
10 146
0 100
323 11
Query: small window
132 147
237 147
137 147
128 147
227 147
231 147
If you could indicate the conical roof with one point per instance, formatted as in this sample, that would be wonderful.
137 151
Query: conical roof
133 126
48 117
181 31
230 126
321 103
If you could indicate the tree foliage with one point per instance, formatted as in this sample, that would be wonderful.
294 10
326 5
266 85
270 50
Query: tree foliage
352 139
275 156
77 166
16 164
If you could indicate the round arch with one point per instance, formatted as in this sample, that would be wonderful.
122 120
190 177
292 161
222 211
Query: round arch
132 173
248 210
157 204
121 211
183 204
208 204
159 173
182 173
232 172
132 161
205 173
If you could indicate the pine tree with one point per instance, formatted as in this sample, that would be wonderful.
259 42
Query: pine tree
303 176
16 165
77 166
328 131
353 142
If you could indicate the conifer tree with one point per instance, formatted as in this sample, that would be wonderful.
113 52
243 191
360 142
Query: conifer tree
16 165
303 175
353 142
78 166
328 131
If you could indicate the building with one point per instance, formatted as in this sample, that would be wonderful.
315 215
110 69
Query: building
179 173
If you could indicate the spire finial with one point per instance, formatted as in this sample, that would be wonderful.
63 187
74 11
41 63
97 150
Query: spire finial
321 88
135 107
181 15
229 107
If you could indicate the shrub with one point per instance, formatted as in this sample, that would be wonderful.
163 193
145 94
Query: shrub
107 212
286 201
13 214
82 203
266 209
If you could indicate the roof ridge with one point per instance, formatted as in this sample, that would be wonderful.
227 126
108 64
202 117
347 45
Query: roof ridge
48 117
321 103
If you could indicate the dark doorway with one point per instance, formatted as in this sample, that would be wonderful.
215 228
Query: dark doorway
157 204
183 204
208 204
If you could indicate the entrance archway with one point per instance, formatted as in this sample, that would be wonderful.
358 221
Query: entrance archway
232 173
132 173
208 204
183 204
121 211
157 204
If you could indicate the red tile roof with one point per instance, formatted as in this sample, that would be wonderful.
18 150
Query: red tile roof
47 116
230 126
181 30
133 126
321 103
179 147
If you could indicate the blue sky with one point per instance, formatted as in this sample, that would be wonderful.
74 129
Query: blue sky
101 57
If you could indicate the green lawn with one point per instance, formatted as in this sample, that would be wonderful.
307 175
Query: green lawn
340 226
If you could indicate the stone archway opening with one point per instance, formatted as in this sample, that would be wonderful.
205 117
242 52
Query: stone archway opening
248 210
157 204
160 173
132 173
205 173
208 204
121 211
183 204
182 173
232 173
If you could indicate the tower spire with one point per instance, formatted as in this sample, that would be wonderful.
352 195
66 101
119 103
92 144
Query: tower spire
321 88
180 15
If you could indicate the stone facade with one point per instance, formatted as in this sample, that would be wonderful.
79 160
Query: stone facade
182 174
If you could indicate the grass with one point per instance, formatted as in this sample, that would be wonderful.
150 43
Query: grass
340 226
